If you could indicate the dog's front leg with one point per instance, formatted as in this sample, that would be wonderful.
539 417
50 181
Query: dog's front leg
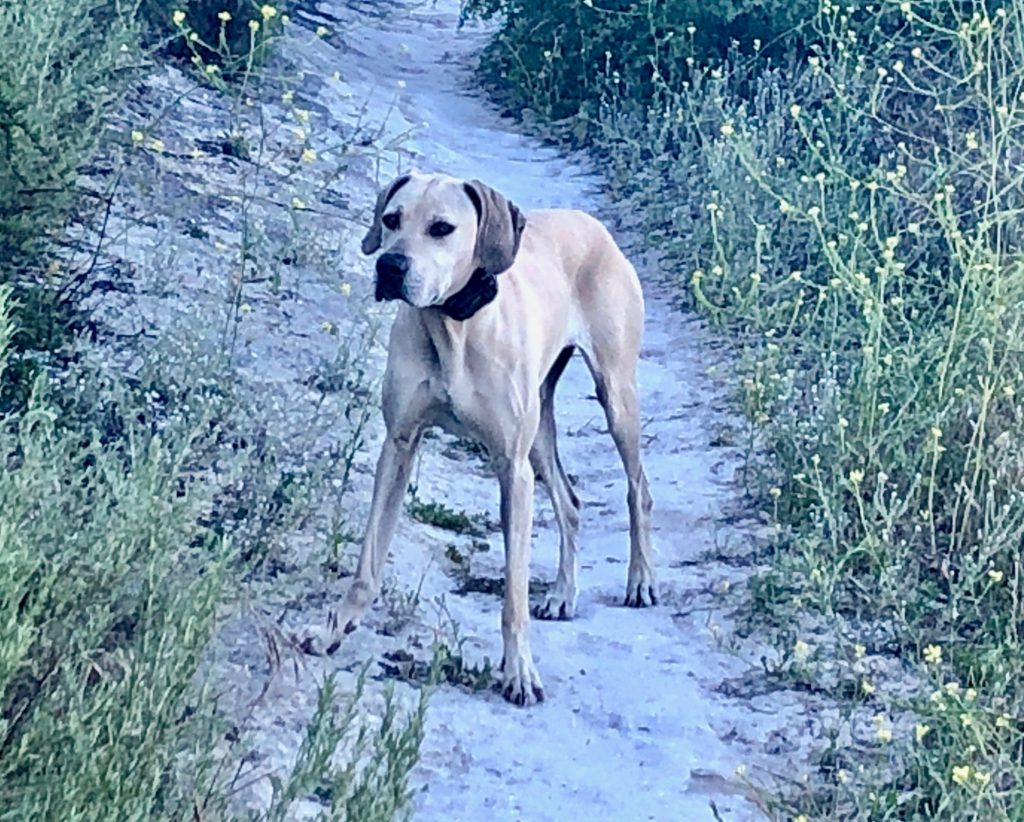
521 683
394 468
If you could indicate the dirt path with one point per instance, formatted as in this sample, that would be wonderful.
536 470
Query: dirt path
633 726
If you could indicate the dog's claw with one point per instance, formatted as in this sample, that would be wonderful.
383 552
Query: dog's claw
517 695
522 685
642 596
556 607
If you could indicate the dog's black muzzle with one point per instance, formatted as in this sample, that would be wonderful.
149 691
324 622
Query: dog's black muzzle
391 271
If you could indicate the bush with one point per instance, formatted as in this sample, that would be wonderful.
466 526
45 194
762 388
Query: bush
555 59
108 592
62 68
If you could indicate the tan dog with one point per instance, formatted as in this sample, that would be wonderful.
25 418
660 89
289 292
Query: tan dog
494 305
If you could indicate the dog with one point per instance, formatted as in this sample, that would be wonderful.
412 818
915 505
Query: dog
493 304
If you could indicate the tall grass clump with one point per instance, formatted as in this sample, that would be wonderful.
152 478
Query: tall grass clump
853 221
63 65
108 593
230 34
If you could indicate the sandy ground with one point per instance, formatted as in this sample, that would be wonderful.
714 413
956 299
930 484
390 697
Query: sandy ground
635 725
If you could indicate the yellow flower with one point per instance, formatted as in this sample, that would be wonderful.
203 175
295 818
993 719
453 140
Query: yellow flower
300 134
1003 721
245 308
297 203
801 650
995 576
224 16
982 778
308 155
322 31
741 770
970 695
157 145
952 688
856 476
859 650
327 327
776 492
138 137
254 26
867 687
726 129
346 289
936 432
288 95
961 773
966 721
794 110
844 423
197 153
884 734
920 731
212 69
178 17
302 114
933 654
268 11
800 818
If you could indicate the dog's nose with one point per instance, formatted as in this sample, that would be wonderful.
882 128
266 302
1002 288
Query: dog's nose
391 271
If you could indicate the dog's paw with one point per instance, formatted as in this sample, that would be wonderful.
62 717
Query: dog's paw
520 682
641 590
359 597
322 641
560 604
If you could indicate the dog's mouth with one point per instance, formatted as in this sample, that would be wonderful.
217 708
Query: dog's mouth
389 288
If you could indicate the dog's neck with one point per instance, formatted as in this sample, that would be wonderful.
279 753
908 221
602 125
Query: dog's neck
481 289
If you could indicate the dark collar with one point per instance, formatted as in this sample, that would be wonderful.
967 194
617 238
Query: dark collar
481 289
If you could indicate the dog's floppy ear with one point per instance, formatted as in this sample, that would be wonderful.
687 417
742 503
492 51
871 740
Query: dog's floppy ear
499 230
372 240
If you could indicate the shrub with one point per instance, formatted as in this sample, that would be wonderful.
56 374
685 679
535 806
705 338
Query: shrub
107 600
61 69
554 59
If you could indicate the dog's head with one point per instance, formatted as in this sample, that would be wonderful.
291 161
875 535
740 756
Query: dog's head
434 231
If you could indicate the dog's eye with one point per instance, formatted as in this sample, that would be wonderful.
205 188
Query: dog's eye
392 221
440 229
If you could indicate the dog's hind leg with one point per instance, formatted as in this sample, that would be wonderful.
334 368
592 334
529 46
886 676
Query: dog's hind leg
612 354
561 602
